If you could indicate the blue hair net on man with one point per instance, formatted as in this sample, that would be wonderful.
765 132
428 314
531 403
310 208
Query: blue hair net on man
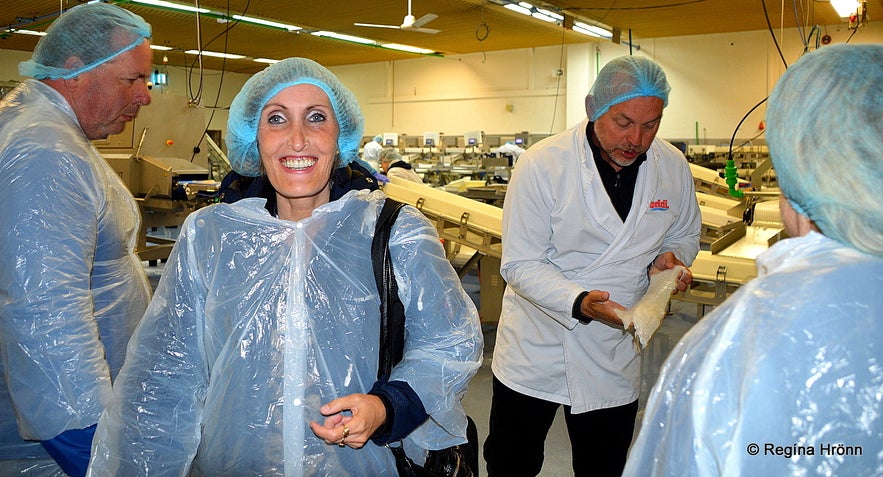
88 35
626 78
825 138
245 111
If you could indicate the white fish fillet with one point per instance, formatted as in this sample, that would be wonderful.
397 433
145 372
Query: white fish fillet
647 314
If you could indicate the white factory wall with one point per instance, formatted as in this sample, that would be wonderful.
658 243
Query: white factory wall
716 80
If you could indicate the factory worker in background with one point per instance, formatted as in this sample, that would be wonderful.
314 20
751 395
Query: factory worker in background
71 287
394 165
371 152
590 214
784 378
511 149
258 354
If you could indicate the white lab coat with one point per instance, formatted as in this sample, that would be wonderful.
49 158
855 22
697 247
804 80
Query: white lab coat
561 236
257 322
512 150
790 363
71 287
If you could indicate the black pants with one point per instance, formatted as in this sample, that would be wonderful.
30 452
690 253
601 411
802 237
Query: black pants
599 440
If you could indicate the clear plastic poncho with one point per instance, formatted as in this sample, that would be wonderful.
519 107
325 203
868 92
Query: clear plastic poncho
257 322
784 378
71 287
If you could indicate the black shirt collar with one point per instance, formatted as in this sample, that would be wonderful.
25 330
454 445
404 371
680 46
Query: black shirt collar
620 185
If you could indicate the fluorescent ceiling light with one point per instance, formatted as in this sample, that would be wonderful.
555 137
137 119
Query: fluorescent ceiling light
547 16
266 60
173 6
160 47
539 13
215 54
29 32
515 7
270 23
845 8
591 30
339 36
408 48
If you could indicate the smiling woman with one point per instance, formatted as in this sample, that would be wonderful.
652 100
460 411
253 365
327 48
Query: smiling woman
298 136
259 353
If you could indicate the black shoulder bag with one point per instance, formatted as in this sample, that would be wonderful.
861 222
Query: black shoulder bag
456 461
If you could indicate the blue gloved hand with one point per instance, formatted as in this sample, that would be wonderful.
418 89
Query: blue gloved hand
71 450
381 178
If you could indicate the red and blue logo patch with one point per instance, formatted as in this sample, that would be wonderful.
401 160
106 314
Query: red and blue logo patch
659 204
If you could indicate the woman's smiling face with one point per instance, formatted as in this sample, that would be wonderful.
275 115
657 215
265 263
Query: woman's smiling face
297 138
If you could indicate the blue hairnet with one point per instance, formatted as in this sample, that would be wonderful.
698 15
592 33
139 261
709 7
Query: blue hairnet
625 78
825 134
245 111
95 33
378 138
390 154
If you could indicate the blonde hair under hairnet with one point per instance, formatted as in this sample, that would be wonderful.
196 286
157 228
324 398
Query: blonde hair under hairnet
95 33
825 134
245 111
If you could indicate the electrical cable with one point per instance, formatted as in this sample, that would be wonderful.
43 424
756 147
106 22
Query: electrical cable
772 33
730 169
650 7
799 24
223 70
748 141
558 82
482 31
194 98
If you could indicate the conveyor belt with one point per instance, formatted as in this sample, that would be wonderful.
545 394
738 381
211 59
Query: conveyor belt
479 226
459 220
715 277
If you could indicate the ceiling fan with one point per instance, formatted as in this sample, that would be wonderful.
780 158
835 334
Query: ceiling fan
409 23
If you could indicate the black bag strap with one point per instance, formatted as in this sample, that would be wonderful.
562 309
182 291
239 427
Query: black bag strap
392 311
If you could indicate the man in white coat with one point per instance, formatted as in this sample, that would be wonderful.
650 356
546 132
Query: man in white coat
590 214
